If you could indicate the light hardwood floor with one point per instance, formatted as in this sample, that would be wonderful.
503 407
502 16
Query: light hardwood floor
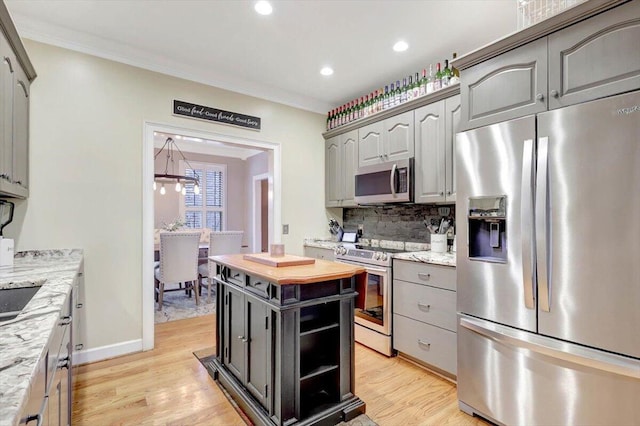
168 386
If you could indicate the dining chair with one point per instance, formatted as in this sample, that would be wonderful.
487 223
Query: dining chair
220 242
178 264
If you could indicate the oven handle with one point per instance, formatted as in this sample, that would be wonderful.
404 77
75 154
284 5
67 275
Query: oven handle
366 267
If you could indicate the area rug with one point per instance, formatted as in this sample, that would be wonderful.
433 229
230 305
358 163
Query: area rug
177 305
206 354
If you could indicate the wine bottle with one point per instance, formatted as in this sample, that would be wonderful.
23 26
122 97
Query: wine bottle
422 88
380 100
446 74
430 80
389 101
397 94
416 86
455 73
385 98
409 92
437 84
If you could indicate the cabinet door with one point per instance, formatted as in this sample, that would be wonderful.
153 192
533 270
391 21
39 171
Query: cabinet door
452 108
511 85
235 339
21 129
7 78
258 349
595 58
430 155
370 144
349 164
398 137
332 172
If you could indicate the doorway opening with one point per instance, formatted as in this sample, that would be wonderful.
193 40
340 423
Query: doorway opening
262 167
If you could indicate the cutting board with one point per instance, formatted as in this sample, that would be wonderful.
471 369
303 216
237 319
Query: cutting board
286 260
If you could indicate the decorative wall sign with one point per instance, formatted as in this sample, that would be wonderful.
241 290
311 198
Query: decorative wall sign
212 114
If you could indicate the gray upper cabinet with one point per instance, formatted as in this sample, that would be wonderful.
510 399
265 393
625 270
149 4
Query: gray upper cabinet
370 150
435 127
21 131
16 73
341 162
387 140
453 113
511 85
595 58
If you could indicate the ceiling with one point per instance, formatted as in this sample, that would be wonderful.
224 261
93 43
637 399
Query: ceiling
189 144
226 44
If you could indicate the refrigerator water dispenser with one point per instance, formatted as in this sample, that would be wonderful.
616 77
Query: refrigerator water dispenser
488 228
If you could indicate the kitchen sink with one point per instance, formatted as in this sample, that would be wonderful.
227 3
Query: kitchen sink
13 300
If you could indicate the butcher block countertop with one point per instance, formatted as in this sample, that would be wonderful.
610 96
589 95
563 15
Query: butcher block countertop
320 270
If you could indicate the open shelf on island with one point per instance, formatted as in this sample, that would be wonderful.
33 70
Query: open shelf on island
319 317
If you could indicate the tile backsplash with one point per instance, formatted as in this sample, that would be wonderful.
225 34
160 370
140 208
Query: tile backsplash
403 222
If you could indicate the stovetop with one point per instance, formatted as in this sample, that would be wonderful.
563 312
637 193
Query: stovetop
366 254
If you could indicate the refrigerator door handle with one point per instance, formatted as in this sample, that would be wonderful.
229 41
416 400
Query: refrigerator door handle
556 349
526 221
542 258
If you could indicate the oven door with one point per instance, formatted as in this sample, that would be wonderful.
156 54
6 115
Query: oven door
375 313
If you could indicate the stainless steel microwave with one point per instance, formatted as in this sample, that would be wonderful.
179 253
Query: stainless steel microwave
390 182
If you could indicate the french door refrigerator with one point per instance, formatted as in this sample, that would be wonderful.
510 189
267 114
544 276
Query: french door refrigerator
549 280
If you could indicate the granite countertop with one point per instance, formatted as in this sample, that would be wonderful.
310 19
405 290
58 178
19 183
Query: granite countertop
445 259
24 339
416 252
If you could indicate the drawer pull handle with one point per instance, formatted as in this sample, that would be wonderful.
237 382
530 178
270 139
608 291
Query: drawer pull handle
424 344
244 339
424 276
235 275
424 306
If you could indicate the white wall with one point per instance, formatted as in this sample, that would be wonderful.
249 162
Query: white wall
167 206
87 118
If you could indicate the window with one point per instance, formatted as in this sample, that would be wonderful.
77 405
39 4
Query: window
207 209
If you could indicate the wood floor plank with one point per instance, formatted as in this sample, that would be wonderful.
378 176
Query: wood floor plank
168 386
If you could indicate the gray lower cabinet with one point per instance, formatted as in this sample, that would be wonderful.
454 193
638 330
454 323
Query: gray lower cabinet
424 314
319 253
285 352
435 127
591 59
51 392
595 58
341 162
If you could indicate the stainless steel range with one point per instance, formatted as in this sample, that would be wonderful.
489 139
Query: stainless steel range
373 316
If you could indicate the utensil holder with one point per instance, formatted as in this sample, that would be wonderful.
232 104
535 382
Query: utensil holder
439 243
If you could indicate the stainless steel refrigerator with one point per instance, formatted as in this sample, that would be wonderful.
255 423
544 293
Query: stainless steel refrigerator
548 265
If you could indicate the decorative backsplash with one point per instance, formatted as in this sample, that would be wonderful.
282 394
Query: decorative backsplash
395 222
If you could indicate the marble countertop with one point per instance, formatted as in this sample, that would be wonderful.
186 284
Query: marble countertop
445 259
24 339
416 252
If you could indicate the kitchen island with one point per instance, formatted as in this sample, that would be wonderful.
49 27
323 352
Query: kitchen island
285 340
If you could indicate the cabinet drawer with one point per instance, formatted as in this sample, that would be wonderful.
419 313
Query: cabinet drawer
427 304
234 276
259 286
421 273
425 342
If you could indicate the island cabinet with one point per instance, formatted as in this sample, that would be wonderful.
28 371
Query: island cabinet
570 60
285 340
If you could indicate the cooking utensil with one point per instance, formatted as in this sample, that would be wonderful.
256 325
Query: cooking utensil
6 214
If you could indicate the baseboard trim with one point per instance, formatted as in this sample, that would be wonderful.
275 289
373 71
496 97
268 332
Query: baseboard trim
106 352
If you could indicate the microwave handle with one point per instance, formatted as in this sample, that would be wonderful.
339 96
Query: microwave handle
392 179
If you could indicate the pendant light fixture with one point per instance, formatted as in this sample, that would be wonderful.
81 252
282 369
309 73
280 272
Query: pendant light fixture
169 176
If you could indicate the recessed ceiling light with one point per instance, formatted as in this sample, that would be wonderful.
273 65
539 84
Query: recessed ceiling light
400 46
263 7
326 71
